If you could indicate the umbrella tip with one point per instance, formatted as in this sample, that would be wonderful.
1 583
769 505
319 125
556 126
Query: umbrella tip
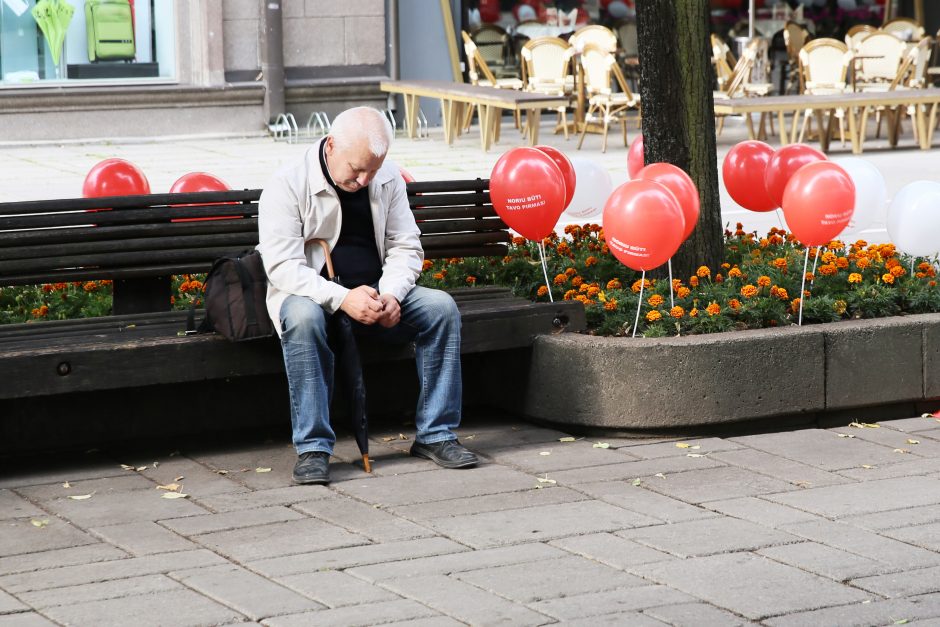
366 462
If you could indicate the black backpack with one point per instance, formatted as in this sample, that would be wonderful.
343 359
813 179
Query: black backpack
236 287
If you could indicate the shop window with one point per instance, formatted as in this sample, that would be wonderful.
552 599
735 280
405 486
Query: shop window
44 41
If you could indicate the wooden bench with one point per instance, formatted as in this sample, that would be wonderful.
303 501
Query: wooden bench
138 244
491 101
856 105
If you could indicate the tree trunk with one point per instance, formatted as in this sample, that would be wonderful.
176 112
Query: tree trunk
678 114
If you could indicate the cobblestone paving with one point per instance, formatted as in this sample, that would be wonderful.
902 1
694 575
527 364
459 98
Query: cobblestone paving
810 527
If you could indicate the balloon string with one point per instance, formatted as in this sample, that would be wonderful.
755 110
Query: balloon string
803 286
815 261
912 265
780 219
672 298
639 303
545 271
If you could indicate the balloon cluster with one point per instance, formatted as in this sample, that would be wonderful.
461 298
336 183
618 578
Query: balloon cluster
818 196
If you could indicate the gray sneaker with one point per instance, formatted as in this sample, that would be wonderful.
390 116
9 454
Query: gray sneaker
312 468
448 454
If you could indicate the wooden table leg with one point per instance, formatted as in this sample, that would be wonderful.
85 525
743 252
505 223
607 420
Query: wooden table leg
447 120
823 134
750 126
535 120
920 119
781 121
411 114
932 123
486 123
855 132
795 131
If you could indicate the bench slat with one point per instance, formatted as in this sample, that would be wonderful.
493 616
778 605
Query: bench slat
456 226
127 202
125 216
100 233
493 250
444 200
461 211
452 240
472 185
64 252
119 259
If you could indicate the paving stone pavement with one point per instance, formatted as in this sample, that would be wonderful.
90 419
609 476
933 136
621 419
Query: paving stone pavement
797 527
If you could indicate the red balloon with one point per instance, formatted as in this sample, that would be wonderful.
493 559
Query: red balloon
680 184
489 11
115 177
784 164
643 224
199 182
405 174
635 157
743 174
567 170
818 202
528 192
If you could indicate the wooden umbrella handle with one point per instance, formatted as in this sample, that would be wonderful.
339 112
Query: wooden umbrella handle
329 261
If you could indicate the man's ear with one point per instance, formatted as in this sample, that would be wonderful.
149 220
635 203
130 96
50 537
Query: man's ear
330 146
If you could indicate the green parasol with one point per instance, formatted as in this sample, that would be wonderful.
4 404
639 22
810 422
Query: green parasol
53 18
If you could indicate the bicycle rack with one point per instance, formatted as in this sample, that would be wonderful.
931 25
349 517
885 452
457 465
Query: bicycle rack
282 128
390 116
318 124
422 123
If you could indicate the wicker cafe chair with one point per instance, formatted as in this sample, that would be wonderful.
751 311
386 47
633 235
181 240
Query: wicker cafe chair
885 52
723 60
905 29
600 68
494 46
824 65
595 35
546 63
737 83
856 34
795 37
477 66
912 74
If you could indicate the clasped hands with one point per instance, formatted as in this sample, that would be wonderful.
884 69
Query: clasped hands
364 304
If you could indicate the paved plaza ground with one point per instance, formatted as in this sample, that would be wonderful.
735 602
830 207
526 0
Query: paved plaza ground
808 527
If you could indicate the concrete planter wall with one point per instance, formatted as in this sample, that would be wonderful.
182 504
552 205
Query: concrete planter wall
703 380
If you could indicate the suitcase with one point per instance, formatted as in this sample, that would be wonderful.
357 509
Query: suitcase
110 27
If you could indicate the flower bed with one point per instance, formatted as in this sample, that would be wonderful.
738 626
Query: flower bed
758 285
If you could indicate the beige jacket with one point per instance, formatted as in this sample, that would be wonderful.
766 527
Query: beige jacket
299 205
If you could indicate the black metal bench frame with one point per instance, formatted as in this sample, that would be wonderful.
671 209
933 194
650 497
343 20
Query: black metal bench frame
136 243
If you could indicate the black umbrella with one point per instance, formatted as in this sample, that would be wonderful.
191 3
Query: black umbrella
348 367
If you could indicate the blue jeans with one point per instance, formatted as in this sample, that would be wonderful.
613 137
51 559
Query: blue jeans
428 317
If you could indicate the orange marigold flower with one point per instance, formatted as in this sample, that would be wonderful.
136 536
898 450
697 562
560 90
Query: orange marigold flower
437 275
923 266
560 279
920 275
577 281
763 280
862 263
888 278
719 278
842 263
693 313
653 316
90 286
563 248
676 284
570 272
898 271
795 304
593 291
48 287
60 286
749 291
703 272
734 273
507 259
809 276
855 277
172 299
887 250
645 283
195 285
614 284
891 263
775 240
693 281
764 242
543 291
427 264
734 303
782 294
828 269
454 261
861 243
570 294
471 280
518 241
584 287
725 266
655 300
581 298
780 263
932 283
713 309
604 249
590 261
611 305
677 312
835 245
683 292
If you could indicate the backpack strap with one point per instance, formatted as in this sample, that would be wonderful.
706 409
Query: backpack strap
250 313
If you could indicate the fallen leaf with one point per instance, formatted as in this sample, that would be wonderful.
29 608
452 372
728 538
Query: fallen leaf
867 467
180 478
262 470
694 455
221 472
172 487
660 475
66 485
637 482
141 468
683 445
901 450
470 437
601 445
545 479
389 439
126 467
845 435
913 441
566 439
802 484
80 497
901 621
402 436
40 523
927 416
545 452
865 425
155 464
173 495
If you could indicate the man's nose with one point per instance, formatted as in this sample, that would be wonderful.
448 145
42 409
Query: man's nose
363 179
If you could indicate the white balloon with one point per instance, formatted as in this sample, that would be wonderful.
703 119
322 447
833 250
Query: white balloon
871 193
591 191
914 219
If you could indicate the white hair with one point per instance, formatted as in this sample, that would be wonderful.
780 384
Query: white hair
363 124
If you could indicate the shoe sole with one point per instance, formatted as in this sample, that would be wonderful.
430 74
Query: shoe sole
444 464
300 481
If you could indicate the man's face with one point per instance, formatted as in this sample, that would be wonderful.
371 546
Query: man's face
352 166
